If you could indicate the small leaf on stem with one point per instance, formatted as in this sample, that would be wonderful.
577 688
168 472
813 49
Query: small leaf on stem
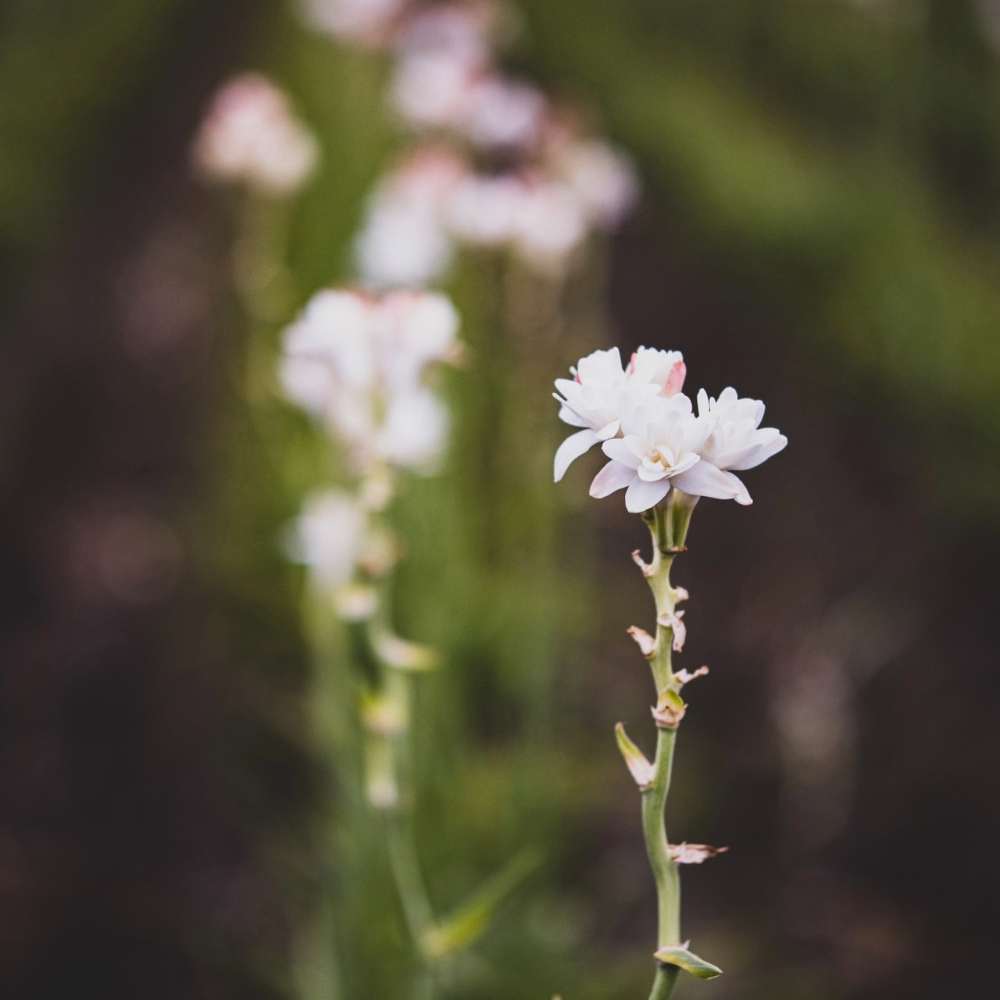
639 767
684 959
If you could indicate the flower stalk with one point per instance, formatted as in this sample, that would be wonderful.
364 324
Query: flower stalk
668 524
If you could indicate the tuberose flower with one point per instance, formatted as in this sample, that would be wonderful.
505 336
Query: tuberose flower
591 399
659 450
251 135
737 441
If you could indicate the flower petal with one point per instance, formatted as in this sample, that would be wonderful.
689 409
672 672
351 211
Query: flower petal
705 480
614 476
618 450
641 496
571 449
768 442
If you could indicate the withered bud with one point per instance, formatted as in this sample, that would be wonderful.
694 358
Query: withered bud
647 569
679 629
693 854
682 677
669 710
645 642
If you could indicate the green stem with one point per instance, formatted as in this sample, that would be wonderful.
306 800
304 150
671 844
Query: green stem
668 526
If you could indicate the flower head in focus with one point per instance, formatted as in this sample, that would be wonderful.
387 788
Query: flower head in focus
593 398
651 435
659 449
737 441
251 136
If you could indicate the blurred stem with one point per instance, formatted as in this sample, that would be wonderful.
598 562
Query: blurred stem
668 526
400 839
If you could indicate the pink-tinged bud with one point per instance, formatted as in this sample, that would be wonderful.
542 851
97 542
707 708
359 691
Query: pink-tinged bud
631 364
669 710
682 677
693 854
647 569
675 380
647 644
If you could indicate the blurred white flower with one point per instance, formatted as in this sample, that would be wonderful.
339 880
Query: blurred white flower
250 135
403 240
329 537
482 210
603 178
592 398
433 90
549 226
360 364
659 449
736 439
503 113
363 21
457 31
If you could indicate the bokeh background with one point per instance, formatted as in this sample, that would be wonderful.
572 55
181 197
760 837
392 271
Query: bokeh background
820 226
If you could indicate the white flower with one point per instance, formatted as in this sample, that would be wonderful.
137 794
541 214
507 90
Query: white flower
415 431
433 90
737 441
549 225
591 399
481 210
250 135
603 178
403 240
329 537
360 364
504 113
659 449
364 21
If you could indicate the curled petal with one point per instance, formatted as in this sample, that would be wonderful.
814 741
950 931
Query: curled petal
705 480
571 449
641 496
614 476
769 441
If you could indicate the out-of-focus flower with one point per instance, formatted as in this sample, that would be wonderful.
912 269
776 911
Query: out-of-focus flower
360 364
592 398
457 31
659 449
550 225
403 241
603 179
251 136
502 113
482 210
367 22
737 441
433 91
329 537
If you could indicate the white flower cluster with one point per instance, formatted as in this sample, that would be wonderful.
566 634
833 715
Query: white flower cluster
250 135
497 164
360 365
651 434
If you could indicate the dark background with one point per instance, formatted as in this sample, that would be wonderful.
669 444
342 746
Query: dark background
820 227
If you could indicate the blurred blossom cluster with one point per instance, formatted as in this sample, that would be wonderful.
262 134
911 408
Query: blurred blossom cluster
651 434
495 163
251 136
360 365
